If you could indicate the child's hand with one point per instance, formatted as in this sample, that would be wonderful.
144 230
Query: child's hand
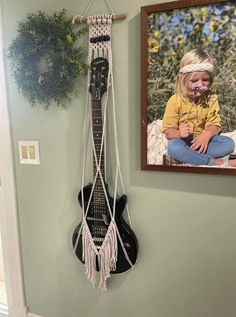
200 143
184 129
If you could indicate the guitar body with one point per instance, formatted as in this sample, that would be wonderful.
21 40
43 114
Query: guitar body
96 204
127 235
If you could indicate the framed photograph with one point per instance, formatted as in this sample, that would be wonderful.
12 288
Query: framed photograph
177 117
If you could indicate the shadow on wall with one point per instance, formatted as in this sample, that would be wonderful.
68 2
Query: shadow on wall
3 297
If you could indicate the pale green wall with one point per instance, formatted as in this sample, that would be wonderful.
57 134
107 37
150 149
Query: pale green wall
185 223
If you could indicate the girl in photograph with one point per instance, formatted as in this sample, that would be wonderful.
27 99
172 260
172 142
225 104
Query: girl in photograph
191 122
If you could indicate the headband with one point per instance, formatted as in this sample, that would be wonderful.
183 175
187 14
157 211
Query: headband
201 67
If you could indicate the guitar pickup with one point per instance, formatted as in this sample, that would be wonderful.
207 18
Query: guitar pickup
104 219
95 219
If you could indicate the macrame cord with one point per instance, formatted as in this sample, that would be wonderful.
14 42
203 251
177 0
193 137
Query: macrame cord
100 28
80 17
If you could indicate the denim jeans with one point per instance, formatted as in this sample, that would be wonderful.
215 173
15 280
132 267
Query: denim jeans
219 146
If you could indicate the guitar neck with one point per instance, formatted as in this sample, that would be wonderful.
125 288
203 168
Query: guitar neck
99 69
97 128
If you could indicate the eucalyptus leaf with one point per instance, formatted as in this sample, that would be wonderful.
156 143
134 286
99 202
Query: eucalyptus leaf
44 59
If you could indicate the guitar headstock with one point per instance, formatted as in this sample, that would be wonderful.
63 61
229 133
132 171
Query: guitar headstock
98 80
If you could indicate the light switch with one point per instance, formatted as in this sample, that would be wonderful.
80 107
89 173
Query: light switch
32 155
29 152
24 152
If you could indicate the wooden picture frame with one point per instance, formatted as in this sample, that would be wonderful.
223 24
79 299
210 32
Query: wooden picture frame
168 30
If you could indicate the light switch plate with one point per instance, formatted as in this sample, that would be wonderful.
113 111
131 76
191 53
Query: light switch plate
29 152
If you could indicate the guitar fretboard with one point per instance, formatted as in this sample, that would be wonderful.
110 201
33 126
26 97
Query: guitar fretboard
97 122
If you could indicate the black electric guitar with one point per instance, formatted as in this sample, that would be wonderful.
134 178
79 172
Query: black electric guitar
98 216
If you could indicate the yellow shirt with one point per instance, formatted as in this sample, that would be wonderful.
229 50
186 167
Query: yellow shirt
199 116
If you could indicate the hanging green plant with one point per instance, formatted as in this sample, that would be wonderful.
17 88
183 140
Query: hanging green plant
45 61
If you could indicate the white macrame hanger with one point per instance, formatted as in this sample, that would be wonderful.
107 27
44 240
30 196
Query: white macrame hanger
108 252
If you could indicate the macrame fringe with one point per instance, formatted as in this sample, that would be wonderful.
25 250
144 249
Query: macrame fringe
106 257
89 254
